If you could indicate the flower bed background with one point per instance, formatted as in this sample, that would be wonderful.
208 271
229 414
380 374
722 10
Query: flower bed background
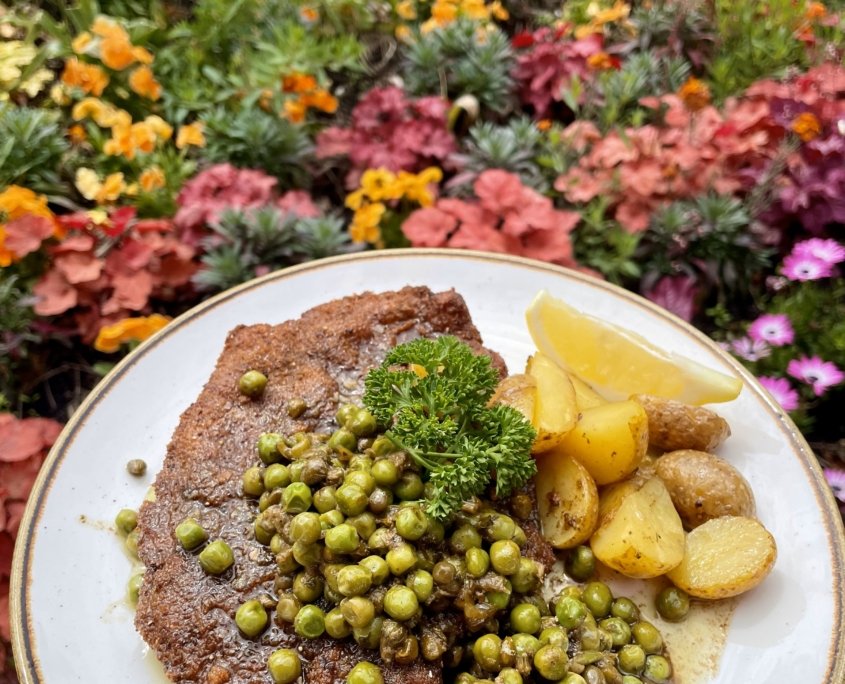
154 152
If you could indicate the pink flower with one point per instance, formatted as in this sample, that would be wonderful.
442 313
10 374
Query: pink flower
815 372
676 294
827 251
774 329
781 390
797 267
298 202
836 479
750 350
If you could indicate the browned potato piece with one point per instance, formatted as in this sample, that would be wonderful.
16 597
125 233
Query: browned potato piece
675 425
567 499
517 391
704 486
555 411
725 557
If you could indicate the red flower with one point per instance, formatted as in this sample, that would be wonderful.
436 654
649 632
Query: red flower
522 40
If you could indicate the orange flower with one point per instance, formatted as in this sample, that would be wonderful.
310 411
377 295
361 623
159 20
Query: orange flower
806 126
161 129
107 28
405 10
138 329
88 77
142 81
191 134
142 55
499 11
443 12
298 83
295 110
308 14
128 140
544 124
111 189
601 61
16 203
152 179
116 53
322 100
694 94
82 41
815 11
77 134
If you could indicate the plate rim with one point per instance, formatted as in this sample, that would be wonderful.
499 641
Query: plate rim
26 658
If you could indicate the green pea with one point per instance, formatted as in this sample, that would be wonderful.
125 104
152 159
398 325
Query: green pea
631 679
383 445
526 644
657 669
464 538
519 537
551 662
598 599
378 567
361 478
647 636
401 558
305 528
487 650
343 440
504 557
344 413
380 540
306 554
269 498
307 587
336 625
401 603
253 482
287 607
216 558
527 576
251 618
331 519
358 611
409 487
620 632
131 542
354 580
262 530
502 527
126 520
359 462
268 447
509 675
351 499
309 622
364 524
580 563
365 673
252 384
276 475
525 618
284 665
672 604
385 472
324 499
362 423
342 539
190 534
296 497
421 583
477 562
573 678
556 636
133 587
631 658
626 609
570 612
411 523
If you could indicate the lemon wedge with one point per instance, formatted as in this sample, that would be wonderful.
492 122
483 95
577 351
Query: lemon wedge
617 362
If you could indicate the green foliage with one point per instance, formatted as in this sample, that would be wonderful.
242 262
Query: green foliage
432 397
266 238
16 333
513 147
252 138
453 61
602 244
32 148
677 28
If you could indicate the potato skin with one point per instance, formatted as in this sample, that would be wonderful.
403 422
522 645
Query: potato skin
675 425
703 486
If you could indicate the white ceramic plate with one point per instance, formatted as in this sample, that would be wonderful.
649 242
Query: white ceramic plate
70 623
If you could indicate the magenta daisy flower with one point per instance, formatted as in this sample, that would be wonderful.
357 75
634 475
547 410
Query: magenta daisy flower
812 370
750 350
797 267
829 251
781 390
836 480
773 329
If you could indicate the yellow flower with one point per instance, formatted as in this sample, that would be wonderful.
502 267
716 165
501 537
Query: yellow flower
415 187
443 12
364 227
152 179
403 33
138 329
92 188
354 200
620 10
58 94
474 9
159 126
406 10
142 81
499 11
694 94
377 183
88 77
190 134
806 126
82 41
99 217
294 110
141 54
108 28
131 190
111 189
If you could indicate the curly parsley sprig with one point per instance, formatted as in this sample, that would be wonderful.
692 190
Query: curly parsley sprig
431 397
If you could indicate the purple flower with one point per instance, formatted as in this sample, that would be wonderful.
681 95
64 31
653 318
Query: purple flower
812 370
750 350
676 294
827 251
836 480
774 329
781 390
805 268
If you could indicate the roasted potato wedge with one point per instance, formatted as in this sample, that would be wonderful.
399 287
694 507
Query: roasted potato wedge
639 532
585 396
609 440
725 557
555 411
674 425
517 391
704 486
567 499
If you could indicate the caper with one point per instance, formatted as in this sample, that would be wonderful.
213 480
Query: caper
285 562
295 469
126 520
502 527
300 445
284 665
380 540
379 570
570 612
287 607
444 573
276 475
262 530
401 558
409 487
380 500
504 557
631 658
358 611
580 563
296 497
421 583
307 586
411 523
626 609
486 651
251 618
343 440
336 625
477 561
351 499
216 558
672 604
598 598
551 662
620 632
252 384
362 423
342 539
309 622
253 482
136 467
369 636
296 407
314 470
365 673
647 636
133 587
657 669
527 576
269 498
525 618
354 580
268 447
